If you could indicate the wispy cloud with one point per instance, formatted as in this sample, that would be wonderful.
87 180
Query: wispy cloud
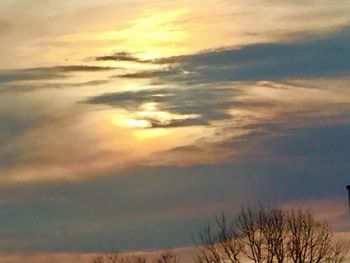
30 87
318 56
47 73
122 56
204 103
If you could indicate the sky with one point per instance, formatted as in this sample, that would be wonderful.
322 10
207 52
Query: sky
133 123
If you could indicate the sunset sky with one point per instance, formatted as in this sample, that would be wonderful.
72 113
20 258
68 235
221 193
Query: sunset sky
135 122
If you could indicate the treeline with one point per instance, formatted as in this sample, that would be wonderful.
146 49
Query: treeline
115 257
258 235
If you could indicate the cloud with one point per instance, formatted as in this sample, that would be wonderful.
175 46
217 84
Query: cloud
5 27
201 103
230 118
312 159
77 68
151 74
310 138
156 206
290 157
91 215
121 56
320 56
28 87
46 73
234 103
190 121
26 117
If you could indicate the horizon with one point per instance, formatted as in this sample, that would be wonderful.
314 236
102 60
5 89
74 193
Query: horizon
134 123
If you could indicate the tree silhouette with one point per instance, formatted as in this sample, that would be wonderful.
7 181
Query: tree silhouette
267 235
115 256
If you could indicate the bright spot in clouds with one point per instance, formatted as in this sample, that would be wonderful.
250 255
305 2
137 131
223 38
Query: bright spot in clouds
129 123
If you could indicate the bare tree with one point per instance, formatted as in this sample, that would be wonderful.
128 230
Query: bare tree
221 247
98 259
313 242
267 235
275 233
114 256
249 226
168 257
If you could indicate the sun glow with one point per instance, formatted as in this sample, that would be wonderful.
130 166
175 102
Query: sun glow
152 133
155 34
130 122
